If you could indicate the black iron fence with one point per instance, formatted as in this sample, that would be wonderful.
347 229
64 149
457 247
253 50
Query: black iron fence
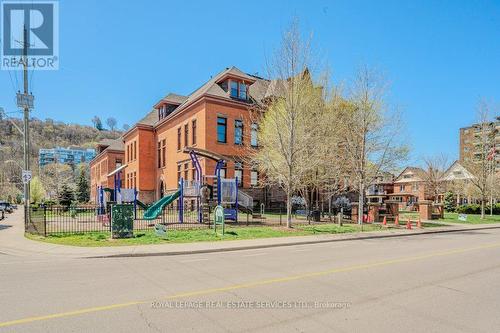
299 216
47 220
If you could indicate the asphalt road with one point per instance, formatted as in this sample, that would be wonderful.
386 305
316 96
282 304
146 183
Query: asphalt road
430 283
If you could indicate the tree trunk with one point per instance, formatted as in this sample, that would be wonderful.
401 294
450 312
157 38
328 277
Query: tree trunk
482 207
288 209
329 208
361 203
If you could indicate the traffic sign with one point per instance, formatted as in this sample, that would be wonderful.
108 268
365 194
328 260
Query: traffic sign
26 176
25 100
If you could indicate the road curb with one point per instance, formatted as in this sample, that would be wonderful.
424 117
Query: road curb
265 246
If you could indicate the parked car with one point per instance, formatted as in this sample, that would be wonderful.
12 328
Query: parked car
6 207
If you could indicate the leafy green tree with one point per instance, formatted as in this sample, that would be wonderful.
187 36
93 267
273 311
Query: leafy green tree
449 201
66 195
37 192
82 187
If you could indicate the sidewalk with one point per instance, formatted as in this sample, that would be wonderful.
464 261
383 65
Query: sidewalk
13 242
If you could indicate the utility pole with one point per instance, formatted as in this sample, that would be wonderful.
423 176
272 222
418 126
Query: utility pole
25 101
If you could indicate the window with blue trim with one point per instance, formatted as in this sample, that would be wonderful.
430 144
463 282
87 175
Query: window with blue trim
234 89
221 129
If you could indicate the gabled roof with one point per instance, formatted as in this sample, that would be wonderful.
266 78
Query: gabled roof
387 178
105 142
258 89
211 88
235 72
109 144
277 87
419 174
150 119
451 173
175 99
113 144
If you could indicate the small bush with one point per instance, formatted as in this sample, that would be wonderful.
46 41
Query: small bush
476 209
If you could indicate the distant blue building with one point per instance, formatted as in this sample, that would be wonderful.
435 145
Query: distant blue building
70 155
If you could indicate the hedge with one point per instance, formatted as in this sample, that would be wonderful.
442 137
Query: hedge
476 209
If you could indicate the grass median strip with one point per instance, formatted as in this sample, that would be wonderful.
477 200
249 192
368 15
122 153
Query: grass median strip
471 218
93 239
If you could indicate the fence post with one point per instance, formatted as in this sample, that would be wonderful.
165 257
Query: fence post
111 220
280 214
44 221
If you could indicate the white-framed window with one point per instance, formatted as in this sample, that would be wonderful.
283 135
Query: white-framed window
254 178
253 135
238 132
238 172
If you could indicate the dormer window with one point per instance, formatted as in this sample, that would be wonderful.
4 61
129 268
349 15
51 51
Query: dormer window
234 89
165 110
238 90
162 110
243 91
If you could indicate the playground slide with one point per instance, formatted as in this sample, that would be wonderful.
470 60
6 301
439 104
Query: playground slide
156 208
142 204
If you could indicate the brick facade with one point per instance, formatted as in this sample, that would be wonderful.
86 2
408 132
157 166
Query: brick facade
109 158
153 148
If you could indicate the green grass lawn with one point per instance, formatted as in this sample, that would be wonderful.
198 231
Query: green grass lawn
471 219
452 217
200 235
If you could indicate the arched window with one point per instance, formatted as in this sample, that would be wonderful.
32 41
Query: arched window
161 189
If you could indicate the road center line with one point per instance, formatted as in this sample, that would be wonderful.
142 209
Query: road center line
250 284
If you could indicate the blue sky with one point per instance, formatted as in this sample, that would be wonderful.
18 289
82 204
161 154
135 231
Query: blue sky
117 58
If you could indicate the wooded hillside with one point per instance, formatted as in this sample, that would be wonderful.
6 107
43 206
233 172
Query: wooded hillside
43 134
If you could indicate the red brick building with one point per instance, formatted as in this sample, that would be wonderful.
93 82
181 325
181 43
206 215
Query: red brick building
215 117
110 156
410 188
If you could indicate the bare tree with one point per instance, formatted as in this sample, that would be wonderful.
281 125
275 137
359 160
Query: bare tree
53 175
97 123
477 161
370 133
435 167
288 124
111 122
